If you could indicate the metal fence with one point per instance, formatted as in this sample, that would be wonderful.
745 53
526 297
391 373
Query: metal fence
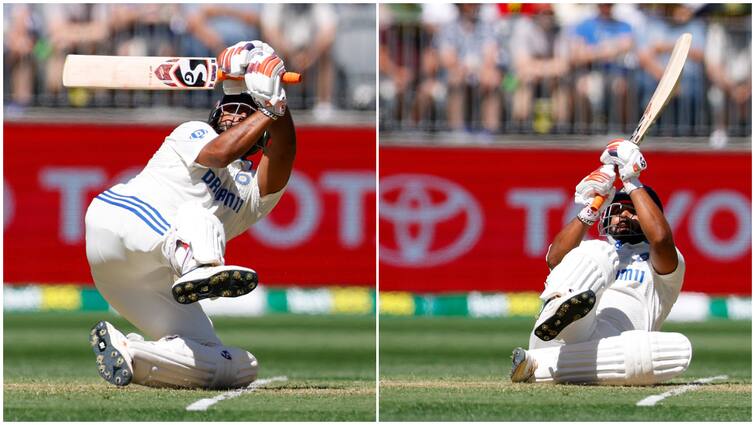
30 70
693 113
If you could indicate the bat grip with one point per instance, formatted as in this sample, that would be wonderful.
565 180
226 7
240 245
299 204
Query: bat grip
597 202
288 77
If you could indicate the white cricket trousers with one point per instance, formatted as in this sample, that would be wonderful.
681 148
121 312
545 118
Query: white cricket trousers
124 237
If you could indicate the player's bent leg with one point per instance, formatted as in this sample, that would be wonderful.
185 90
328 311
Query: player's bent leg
573 288
111 352
632 358
175 362
194 246
170 362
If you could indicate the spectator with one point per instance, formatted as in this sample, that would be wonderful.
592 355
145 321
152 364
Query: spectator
541 64
728 62
657 41
599 48
144 29
72 28
216 26
304 34
431 92
469 57
21 31
394 75
354 56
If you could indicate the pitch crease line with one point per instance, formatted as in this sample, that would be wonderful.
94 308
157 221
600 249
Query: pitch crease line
653 399
205 403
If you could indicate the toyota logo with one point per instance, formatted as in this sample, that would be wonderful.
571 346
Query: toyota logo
432 220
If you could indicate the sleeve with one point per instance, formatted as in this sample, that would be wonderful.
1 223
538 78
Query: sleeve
260 206
715 39
669 285
325 15
188 139
519 37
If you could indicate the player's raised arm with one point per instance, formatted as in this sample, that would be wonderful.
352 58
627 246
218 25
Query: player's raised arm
278 156
599 182
241 128
630 162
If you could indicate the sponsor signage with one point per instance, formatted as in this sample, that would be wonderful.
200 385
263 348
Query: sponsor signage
321 232
481 219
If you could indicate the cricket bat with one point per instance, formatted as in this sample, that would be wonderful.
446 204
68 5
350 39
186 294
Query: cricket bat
663 93
148 73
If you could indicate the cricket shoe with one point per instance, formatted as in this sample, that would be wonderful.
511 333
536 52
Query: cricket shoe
561 312
214 281
522 366
110 348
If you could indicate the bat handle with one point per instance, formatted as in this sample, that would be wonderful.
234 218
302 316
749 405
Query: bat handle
597 202
291 78
288 77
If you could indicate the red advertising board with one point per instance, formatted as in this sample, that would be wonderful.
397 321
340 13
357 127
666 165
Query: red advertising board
461 219
321 233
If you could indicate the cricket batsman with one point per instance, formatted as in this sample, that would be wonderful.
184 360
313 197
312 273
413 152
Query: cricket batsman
605 301
156 244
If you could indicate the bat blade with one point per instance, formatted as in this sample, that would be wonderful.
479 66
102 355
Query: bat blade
665 89
660 98
140 72
147 73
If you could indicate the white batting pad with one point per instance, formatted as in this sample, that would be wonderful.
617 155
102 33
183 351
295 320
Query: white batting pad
175 362
632 358
202 231
592 265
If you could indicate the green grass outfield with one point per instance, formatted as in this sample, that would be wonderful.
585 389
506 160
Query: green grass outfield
50 372
456 369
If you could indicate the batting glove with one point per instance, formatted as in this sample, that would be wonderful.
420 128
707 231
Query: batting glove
599 182
263 81
234 60
629 160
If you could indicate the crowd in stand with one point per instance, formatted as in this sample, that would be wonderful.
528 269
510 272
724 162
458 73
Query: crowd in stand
562 68
321 41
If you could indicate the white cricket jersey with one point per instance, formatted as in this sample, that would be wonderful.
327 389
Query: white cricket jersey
639 294
172 177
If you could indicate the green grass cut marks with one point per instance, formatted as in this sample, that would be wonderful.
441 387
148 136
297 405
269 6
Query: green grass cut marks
329 363
456 369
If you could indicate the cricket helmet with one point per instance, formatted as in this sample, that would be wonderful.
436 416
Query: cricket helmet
236 107
624 229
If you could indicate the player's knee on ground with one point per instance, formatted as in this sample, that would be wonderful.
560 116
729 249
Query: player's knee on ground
196 238
654 357
632 358
175 362
590 266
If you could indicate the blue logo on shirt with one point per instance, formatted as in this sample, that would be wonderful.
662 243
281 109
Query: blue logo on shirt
198 134
226 196
631 274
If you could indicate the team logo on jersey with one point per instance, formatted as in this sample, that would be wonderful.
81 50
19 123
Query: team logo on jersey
243 178
198 134
433 220
228 196
631 274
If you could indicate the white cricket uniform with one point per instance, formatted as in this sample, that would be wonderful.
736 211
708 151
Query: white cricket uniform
638 299
126 227
618 342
